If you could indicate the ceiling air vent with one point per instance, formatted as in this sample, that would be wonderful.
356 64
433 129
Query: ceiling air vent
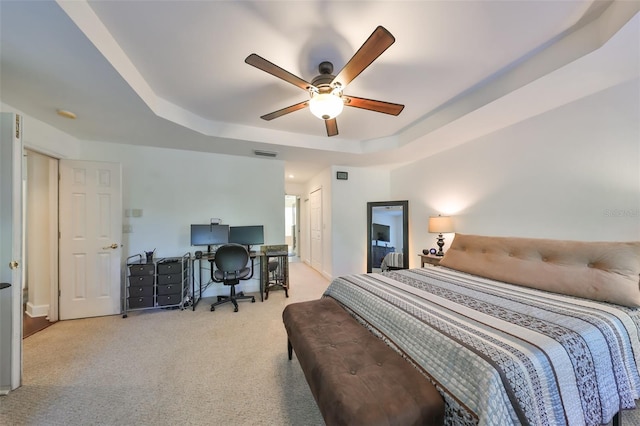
261 153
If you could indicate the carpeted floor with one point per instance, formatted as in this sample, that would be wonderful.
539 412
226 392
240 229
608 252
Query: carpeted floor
169 367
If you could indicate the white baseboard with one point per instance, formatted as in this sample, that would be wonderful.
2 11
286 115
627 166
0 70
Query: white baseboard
37 310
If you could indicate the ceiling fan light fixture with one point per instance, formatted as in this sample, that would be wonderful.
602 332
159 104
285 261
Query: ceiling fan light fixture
326 106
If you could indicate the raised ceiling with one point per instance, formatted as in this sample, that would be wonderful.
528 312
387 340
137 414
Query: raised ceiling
172 73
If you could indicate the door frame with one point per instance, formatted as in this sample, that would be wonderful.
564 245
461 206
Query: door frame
319 257
11 269
52 214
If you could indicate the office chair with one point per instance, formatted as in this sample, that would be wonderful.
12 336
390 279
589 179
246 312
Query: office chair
231 266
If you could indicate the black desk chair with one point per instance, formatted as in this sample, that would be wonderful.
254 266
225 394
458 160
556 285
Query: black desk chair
231 266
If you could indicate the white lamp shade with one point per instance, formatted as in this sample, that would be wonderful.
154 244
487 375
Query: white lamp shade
326 106
440 224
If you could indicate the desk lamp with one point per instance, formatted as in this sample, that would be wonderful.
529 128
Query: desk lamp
440 224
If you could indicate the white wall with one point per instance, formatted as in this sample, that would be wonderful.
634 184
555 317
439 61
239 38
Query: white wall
42 137
344 216
176 188
321 181
570 173
349 216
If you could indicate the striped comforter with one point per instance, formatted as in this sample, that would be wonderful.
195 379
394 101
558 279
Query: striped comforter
502 354
392 260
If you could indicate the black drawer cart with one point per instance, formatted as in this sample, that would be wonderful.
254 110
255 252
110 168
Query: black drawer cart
161 283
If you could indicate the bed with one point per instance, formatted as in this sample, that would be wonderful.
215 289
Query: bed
514 330
392 261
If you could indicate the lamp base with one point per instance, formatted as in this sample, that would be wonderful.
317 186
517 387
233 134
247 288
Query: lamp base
440 244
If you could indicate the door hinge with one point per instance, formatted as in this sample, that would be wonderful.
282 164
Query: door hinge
59 293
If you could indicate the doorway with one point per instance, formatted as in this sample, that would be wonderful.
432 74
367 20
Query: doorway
40 285
387 232
291 224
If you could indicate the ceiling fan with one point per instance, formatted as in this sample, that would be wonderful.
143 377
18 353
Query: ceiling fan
326 97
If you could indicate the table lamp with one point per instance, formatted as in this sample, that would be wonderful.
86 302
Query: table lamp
439 224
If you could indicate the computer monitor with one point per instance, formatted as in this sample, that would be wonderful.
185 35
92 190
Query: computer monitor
209 235
247 235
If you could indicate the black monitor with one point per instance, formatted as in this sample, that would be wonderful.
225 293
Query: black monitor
247 235
209 235
381 232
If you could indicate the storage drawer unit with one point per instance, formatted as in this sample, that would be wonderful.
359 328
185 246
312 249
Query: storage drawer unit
171 282
161 283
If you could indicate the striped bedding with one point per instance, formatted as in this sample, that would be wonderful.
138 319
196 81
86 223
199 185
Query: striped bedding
392 260
502 354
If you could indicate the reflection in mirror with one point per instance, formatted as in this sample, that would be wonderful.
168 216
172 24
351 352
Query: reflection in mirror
387 235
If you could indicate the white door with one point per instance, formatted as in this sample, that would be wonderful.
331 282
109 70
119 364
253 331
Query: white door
11 252
316 229
90 236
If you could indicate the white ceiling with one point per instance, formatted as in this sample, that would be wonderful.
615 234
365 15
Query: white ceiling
172 73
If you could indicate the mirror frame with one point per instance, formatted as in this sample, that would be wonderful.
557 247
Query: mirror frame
405 229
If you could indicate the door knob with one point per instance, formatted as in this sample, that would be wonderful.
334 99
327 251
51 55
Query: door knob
112 246
13 264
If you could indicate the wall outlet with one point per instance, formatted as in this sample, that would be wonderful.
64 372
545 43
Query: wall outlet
127 229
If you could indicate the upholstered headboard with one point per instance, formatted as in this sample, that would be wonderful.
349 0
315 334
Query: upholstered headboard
604 271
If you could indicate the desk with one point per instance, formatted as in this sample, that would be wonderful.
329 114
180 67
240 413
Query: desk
198 290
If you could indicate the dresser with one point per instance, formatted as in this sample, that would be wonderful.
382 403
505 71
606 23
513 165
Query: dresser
378 253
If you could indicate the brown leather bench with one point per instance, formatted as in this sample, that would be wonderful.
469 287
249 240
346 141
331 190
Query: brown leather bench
355 378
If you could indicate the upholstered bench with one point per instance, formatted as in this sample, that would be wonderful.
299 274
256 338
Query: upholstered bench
355 378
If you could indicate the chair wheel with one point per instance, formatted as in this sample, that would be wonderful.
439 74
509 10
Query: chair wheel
253 300
235 309
213 308
241 293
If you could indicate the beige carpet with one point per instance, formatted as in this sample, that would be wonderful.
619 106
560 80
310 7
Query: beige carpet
170 367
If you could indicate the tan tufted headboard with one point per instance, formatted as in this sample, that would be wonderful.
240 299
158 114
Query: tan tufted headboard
605 271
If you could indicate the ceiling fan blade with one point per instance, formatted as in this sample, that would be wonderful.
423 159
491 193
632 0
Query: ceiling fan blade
378 42
372 105
287 110
332 127
271 68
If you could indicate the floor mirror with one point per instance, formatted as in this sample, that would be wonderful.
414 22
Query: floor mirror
387 232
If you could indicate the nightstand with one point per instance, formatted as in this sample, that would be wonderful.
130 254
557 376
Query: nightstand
429 259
